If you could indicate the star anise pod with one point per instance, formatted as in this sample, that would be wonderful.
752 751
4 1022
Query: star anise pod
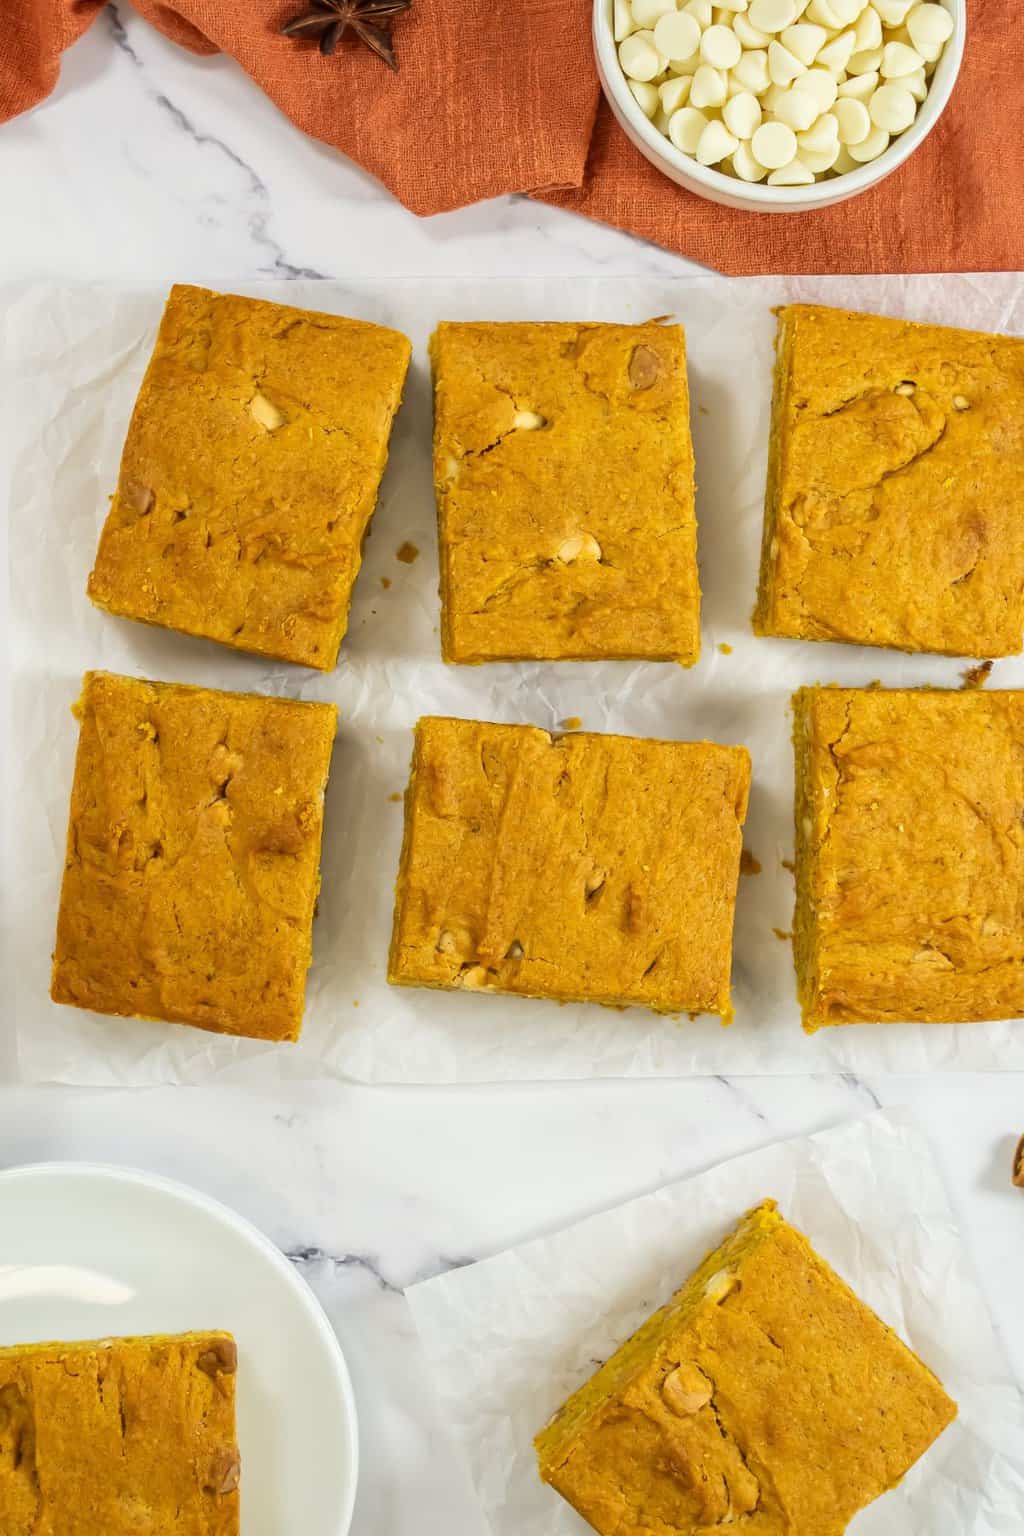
331 19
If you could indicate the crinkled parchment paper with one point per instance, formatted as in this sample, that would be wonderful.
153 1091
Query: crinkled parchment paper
72 361
508 1339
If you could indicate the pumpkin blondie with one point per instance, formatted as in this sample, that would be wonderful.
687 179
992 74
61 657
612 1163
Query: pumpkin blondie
250 473
193 855
584 868
120 1436
909 855
894 513
563 469
764 1397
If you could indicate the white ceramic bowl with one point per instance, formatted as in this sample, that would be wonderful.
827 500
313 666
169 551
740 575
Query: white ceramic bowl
756 196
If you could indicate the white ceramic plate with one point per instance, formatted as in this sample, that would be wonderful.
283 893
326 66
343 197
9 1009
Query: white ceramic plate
88 1251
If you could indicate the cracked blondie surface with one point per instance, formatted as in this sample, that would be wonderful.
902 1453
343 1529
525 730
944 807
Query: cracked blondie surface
249 474
765 1399
564 475
894 513
587 867
193 854
909 855
120 1436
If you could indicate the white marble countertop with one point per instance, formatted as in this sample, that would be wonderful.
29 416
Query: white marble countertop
150 163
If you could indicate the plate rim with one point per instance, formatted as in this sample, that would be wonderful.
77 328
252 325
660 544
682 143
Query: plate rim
141 1177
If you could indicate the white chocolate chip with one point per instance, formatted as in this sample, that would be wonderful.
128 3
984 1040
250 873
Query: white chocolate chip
675 93
898 60
720 47
676 35
821 160
853 120
773 145
742 115
772 15
745 166
646 96
688 67
863 61
581 546
847 10
859 87
961 403
820 86
916 84
752 71
700 10
623 24
783 66
749 35
795 174
805 40
821 136
822 14
685 128
267 414
868 31
893 108
715 143
930 26
476 978
869 148
709 88
795 109
639 57
721 1285
844 162
530 421
646 12
893 13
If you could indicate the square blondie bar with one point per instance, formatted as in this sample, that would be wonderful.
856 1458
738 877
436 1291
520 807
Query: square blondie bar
564 476
193 855
250 473
765 1397
909 855
120 1436
894 513
587 868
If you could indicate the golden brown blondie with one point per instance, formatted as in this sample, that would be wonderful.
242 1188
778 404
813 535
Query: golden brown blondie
909 855
765 1397
590 868
193 855
120 1436
894 513
564 475
249 474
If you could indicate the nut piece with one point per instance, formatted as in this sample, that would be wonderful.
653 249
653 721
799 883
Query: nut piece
514 951
686 1390
268 415
528 421
1018 1164
644 368
582 546
221 1359
225 1472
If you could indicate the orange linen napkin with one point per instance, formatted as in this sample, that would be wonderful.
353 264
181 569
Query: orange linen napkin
501 97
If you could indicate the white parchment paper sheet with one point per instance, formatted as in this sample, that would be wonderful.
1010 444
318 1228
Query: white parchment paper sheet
72 362
510 1338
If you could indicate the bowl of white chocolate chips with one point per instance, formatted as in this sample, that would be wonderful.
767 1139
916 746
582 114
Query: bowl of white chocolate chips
778 105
